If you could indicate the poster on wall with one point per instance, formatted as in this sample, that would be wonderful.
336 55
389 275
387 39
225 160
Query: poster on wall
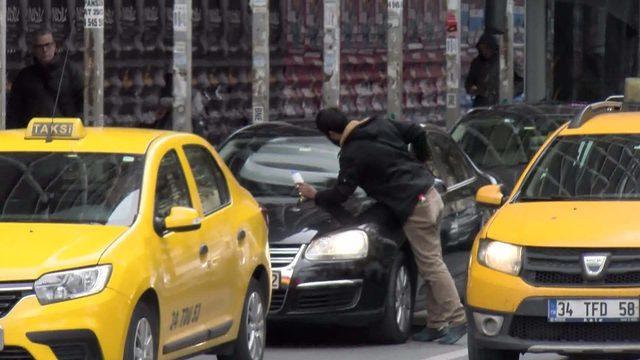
153 11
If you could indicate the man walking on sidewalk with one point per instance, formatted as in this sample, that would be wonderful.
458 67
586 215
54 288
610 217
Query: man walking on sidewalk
374 156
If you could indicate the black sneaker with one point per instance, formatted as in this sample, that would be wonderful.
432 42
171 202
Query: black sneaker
429 334
454 333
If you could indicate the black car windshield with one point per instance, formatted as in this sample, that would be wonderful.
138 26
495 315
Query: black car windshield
63 187
593 167
263 165
501 140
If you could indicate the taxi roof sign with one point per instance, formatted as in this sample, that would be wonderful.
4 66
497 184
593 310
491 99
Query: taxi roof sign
55 129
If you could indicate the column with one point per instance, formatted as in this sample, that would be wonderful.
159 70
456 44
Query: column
94 62
260 63
182 65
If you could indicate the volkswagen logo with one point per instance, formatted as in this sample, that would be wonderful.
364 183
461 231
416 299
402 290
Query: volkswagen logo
594 264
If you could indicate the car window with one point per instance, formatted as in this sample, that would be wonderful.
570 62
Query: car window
451 166
264 166
455 159
590 167
69 187
171 189
498 140
212 186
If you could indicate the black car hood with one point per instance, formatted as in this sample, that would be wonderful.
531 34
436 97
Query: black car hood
294 222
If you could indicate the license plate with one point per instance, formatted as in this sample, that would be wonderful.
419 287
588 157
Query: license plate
593 310
275 280
1 339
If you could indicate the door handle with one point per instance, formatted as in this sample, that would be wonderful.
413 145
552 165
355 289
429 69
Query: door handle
204 250
241 235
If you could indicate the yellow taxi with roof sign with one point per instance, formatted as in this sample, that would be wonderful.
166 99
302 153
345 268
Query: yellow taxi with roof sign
557 268
126 244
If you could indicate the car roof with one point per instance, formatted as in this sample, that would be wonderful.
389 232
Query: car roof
99 140
608 123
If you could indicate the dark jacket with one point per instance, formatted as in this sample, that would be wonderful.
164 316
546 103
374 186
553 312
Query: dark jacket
484 74
34 93
375 156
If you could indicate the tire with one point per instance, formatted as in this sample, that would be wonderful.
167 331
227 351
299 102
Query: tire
142 329
461 285
395 327
476 352
250 343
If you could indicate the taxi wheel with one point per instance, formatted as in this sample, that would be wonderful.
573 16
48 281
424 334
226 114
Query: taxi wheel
477 352
251 339
395 327
142 336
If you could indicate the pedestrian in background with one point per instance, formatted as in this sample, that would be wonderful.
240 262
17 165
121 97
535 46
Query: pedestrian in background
374 155
483 79
36 88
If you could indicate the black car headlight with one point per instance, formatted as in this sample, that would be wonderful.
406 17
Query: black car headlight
500 256
347 245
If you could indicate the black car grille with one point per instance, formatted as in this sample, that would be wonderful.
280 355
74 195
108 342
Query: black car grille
562 267
323 299
281 256
11 293
15 353
539 329
277 299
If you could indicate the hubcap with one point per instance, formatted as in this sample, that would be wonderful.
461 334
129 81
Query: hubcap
403 298
256 326
143 344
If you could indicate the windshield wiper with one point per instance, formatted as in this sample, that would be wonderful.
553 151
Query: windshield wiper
545 198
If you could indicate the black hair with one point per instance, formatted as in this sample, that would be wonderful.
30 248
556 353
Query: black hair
331 119
45 30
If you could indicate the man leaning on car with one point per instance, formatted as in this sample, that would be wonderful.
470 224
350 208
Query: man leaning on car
374 156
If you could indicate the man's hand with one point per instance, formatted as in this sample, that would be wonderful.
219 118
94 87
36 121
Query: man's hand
306 190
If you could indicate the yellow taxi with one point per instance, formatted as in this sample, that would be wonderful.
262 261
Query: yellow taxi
126 244
557 268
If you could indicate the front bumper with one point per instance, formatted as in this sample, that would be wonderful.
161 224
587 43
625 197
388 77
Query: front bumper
525 328
94 326
330 292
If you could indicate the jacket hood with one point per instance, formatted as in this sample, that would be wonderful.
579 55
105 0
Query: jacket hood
597 224
488 40
31 250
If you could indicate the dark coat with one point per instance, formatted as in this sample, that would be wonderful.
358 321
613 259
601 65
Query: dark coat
484 74
34 92
375 156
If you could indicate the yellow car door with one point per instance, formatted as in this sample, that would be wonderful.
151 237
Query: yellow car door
218 236
182 315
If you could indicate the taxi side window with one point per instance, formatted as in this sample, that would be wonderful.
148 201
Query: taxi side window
212 186
171 189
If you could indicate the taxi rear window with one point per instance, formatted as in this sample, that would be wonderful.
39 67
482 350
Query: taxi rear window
62 187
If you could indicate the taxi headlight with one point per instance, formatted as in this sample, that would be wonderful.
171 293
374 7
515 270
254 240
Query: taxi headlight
71 284
348 245
503 257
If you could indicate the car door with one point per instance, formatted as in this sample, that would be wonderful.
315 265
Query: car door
218 237
183 274
461 218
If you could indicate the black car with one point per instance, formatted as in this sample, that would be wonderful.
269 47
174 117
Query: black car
501 139
348 265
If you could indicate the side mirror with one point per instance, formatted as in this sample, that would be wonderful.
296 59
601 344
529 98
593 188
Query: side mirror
490 195
182 219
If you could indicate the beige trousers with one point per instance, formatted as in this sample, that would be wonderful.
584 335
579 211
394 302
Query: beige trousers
423 231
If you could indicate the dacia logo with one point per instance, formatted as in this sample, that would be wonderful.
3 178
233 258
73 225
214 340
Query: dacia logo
594 264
